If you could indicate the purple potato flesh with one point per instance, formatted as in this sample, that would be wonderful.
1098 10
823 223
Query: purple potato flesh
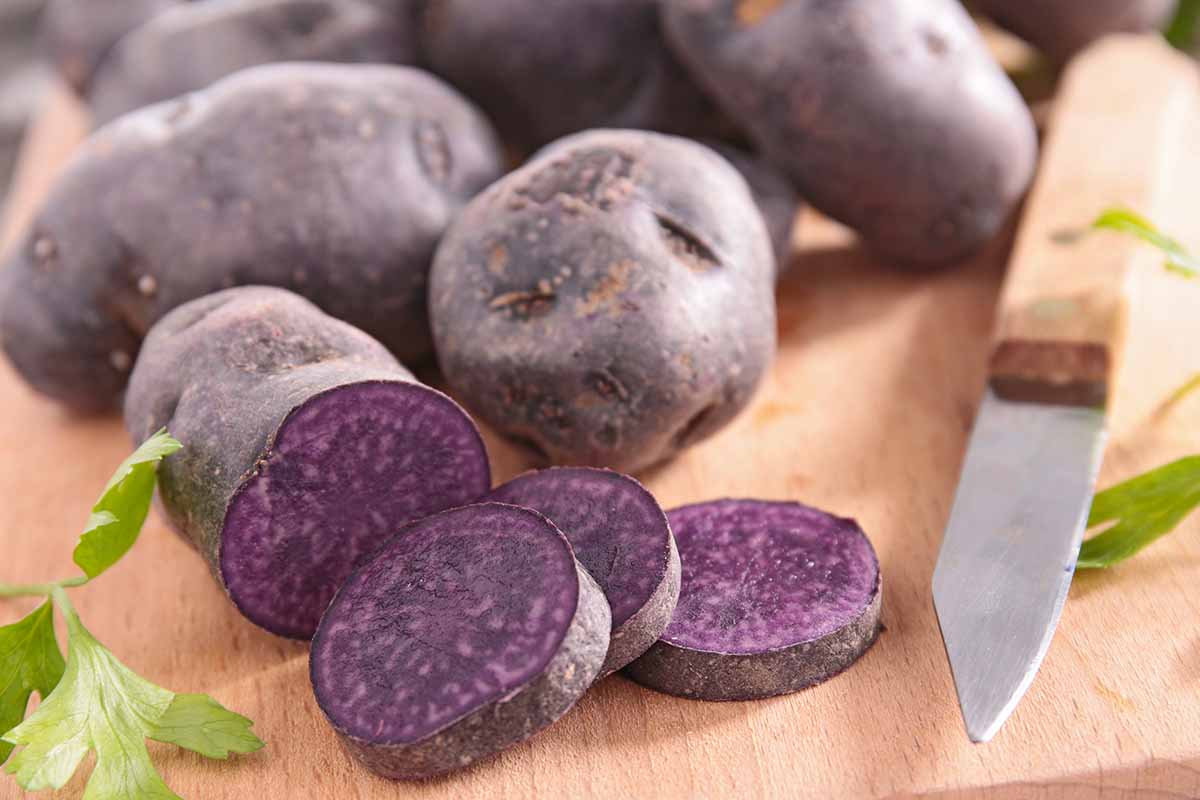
333 180
467 633
621 537
306 446
195 44
775 597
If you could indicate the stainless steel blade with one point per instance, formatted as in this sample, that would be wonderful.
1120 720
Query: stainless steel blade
1010 548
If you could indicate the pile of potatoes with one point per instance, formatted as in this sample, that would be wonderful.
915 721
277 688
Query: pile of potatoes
610 300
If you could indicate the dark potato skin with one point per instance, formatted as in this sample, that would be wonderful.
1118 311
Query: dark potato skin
335 181
78 34
542 69
611 302
193 45
227 375
1061 28
890 115
776 198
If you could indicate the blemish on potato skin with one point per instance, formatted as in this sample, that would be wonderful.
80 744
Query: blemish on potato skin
752 12
524 304
45 251
606 291
497 260
120 360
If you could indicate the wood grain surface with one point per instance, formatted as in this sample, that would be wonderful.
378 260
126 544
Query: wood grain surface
1063 310
866 414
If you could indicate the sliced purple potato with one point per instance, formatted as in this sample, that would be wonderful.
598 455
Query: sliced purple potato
621 537
775 597
306 446
467 633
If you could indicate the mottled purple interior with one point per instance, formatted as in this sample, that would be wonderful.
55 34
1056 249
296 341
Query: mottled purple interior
348 469
760 576
617 529
458 611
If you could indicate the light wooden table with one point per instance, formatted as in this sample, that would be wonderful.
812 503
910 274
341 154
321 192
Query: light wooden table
866 414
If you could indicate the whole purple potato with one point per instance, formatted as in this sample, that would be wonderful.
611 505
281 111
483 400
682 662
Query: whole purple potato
78 34
890 115
335 181
1061 28
191 46
305 447
611 302
542 70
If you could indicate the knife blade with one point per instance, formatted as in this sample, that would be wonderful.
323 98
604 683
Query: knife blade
1019 514
1014 532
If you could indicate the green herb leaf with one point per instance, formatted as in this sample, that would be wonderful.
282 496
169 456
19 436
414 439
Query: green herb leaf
199 723
1183 28
1183 391
119 514
1179 260
1144 508
102 705
30 661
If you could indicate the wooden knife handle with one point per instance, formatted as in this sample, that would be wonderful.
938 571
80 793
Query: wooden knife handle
1061 319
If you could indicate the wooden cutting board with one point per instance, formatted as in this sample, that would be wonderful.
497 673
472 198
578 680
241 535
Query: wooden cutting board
866 414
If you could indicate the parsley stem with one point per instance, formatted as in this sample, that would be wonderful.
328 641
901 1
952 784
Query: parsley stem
59 595
40 589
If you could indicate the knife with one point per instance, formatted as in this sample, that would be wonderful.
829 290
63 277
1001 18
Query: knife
1008 554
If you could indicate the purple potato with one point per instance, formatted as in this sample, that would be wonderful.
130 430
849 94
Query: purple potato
335 181
776 198
193 45
306 446
542 70
469 632
621 537
1061 28
890 115
776 597
610 303
78 34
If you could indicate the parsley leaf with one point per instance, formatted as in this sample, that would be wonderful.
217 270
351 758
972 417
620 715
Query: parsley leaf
1144 508
1179 260
102 705
30 661
119 514
201 724
99 704
1183 28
